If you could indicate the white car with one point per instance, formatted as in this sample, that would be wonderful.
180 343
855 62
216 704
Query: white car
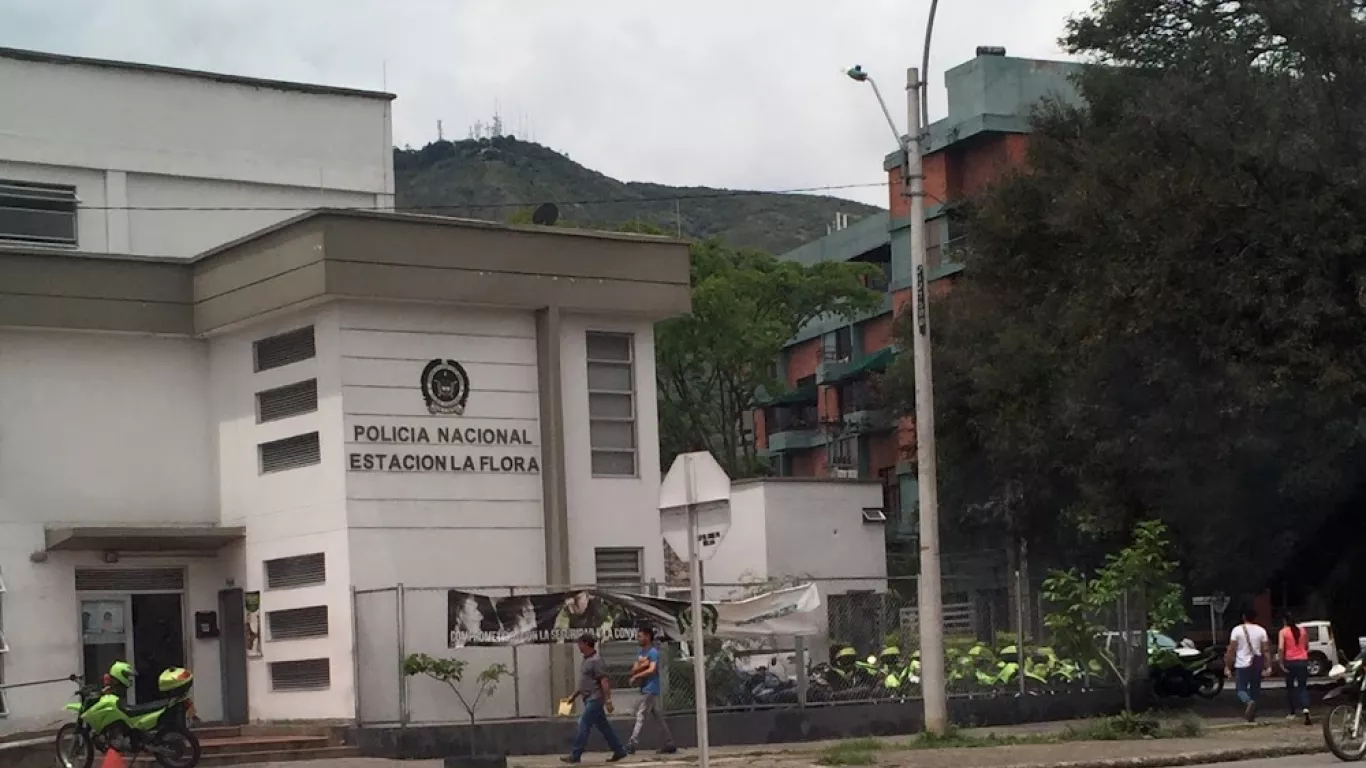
1323 649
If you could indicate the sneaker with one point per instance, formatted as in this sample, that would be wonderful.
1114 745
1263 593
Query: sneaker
1250 712
631 748
618 757
1307 719
1291 716
569 760
669 750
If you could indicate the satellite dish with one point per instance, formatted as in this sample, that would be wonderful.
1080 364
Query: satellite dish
545 215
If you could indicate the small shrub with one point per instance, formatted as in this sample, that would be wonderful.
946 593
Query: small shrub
851 752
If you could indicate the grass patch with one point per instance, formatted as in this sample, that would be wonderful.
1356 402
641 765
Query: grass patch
1125 727
851 752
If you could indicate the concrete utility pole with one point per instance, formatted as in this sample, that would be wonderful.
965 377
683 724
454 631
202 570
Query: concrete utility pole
931 608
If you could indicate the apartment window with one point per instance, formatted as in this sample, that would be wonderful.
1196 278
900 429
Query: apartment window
612 404
840 345
619 569
298 623
43 214
290 453
302 675
296 571
284 402
286 348
845 454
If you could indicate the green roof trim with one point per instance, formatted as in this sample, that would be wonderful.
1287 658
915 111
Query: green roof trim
803 395
874 363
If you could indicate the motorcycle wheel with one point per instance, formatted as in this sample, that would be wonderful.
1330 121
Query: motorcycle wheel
74 749
175 748
1210 686
1344 731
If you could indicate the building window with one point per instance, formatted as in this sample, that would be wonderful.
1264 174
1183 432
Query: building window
839 346
619 569
296 571
290 453
302 675
891 491
284 402
612 404
844 457
297 623
286 348
43 214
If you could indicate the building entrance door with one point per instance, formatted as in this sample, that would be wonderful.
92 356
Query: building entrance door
133 615
158 640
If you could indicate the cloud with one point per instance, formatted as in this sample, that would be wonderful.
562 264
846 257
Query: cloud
731 93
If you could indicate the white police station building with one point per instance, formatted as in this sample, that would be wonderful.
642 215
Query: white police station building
209 411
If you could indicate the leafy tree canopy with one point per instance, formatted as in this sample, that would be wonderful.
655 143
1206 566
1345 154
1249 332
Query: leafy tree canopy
1162 316
711 363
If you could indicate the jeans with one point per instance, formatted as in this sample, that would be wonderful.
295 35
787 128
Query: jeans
1248 681
594 714
649 706
1297 686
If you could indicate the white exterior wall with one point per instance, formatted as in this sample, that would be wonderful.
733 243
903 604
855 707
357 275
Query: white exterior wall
610 511
127 138
299 511
95 428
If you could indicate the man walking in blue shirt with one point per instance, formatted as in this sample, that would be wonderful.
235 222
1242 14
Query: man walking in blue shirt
646 673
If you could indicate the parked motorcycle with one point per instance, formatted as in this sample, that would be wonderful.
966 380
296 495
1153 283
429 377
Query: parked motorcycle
105 721
1183 672
1344 729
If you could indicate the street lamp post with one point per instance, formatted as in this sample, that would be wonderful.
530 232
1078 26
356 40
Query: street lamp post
931 609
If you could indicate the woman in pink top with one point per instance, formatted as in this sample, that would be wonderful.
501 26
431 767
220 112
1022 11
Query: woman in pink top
1294 647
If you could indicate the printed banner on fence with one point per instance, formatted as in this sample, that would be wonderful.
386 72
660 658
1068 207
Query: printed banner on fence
562 617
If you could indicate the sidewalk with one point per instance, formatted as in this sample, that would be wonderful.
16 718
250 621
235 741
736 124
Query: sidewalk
1225 740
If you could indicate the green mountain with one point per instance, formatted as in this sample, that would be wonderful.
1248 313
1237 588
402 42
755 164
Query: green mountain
502 177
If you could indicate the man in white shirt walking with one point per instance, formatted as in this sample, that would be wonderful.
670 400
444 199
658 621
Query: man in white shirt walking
1248 660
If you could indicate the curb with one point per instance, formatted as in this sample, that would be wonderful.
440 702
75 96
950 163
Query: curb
1191 758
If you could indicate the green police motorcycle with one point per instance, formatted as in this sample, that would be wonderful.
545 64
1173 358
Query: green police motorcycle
104 721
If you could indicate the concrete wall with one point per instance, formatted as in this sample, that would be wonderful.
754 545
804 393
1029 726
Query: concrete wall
295 512
127 138
95 428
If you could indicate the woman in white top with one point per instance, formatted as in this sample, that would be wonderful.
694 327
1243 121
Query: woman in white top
1248 660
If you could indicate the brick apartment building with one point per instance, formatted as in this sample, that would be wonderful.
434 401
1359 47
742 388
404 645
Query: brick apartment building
832 421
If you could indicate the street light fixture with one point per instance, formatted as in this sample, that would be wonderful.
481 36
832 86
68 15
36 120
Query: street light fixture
931 608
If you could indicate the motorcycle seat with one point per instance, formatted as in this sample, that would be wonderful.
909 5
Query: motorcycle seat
138 710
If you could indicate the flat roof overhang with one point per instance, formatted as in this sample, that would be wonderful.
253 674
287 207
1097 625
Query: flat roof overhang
142 539
331 255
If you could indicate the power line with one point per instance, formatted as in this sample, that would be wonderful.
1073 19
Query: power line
516 204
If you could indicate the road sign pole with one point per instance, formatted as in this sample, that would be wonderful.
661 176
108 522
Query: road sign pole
699 657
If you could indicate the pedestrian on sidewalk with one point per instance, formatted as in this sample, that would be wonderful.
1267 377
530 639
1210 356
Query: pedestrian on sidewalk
1248 660
1294 652
596 693
646 674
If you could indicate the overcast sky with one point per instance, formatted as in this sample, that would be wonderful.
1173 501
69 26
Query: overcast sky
725 93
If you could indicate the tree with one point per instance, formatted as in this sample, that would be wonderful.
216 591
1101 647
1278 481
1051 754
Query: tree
712 363
1142 572
451 672
1161 314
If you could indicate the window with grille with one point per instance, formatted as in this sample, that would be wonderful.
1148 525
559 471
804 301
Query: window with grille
296 571
298 623
290 453
286 348
619 569
612 404
302 675
286 401
42 214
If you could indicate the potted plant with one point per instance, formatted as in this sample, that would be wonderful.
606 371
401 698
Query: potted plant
452 673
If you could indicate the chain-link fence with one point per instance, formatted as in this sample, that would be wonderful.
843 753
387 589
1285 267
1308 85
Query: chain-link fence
865 648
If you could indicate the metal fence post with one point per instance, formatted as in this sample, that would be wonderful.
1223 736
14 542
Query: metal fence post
799 658
1020 638
355 652
516 673
399 611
